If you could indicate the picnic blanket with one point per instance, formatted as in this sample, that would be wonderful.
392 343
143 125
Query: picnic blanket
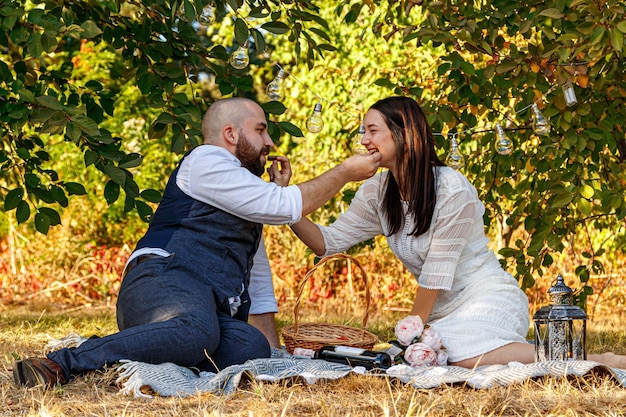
168 379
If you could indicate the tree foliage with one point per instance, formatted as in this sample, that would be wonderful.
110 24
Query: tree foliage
499 58
470 64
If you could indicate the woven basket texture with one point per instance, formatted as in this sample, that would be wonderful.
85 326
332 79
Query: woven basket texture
316 335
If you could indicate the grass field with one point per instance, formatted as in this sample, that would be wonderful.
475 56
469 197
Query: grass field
26 329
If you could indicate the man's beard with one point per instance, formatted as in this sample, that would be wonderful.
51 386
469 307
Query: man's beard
250 157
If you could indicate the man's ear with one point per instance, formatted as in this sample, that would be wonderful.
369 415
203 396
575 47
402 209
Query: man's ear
230 135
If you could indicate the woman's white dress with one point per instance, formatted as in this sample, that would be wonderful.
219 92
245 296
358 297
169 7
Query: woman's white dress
480 306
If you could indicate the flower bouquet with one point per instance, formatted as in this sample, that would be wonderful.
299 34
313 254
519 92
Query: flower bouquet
418 344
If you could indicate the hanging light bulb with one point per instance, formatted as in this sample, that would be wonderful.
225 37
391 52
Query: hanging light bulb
240 59
207 16
454 159
504 146
570 94
541 126
275 88
356 146
314 123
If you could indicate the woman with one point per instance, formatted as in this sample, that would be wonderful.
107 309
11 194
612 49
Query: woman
433 221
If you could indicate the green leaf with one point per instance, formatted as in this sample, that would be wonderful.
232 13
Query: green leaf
111 192
617 40
50 102
86 124
274 107
165 118
94 85
621 26
59 195
587 191
23 212
73 132
259 40
74 188
291 129
275 27
90 29
33 45
13 199
131 160
91 157
562 199
552 13
151 195
42 223
49 42
116 174
144 210
241 31
51 214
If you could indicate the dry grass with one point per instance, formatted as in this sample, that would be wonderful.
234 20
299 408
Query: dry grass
26 330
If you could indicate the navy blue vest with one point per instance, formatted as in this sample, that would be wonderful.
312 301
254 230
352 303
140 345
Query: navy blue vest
209 244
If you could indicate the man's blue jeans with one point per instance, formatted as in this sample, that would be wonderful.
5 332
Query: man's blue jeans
168 317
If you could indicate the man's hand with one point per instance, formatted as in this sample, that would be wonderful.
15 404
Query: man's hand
316 192
280 170
362 166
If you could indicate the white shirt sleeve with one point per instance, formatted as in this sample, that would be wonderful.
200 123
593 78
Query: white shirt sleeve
214 176
359 223
456 213
261 287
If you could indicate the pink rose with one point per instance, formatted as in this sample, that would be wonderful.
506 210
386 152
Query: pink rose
408 329
420 354
442 357
430 337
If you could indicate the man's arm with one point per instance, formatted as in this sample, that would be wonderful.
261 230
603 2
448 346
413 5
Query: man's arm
316 192
267 325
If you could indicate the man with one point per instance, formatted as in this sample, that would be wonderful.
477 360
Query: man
184 295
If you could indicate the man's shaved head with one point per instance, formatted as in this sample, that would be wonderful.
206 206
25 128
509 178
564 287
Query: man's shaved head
233 110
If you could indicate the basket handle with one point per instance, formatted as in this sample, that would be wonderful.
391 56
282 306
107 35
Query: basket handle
296 309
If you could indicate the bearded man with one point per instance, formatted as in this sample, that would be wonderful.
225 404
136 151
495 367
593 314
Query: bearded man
201 267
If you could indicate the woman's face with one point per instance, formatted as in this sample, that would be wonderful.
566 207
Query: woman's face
378 137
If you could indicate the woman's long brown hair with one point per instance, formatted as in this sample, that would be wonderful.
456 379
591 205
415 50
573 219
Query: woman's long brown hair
415 160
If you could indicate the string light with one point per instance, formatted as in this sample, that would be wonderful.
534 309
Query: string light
541 126
315 123
504 146
356 146
240 58
454 159
569 94
275 88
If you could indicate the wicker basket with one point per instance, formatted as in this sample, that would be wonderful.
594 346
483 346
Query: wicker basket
316 335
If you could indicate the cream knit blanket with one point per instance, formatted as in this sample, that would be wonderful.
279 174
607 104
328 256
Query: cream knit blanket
168 379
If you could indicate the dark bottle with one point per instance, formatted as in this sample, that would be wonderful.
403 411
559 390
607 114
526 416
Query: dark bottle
348 355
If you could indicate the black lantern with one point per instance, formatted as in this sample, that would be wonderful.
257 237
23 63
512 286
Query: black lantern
560 327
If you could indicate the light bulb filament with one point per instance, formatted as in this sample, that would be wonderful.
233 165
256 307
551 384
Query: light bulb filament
275 88
454 159
240 59
541 126
315 123
504 146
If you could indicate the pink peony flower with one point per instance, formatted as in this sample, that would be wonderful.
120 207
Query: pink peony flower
430 337
408 329
420 354
442 357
